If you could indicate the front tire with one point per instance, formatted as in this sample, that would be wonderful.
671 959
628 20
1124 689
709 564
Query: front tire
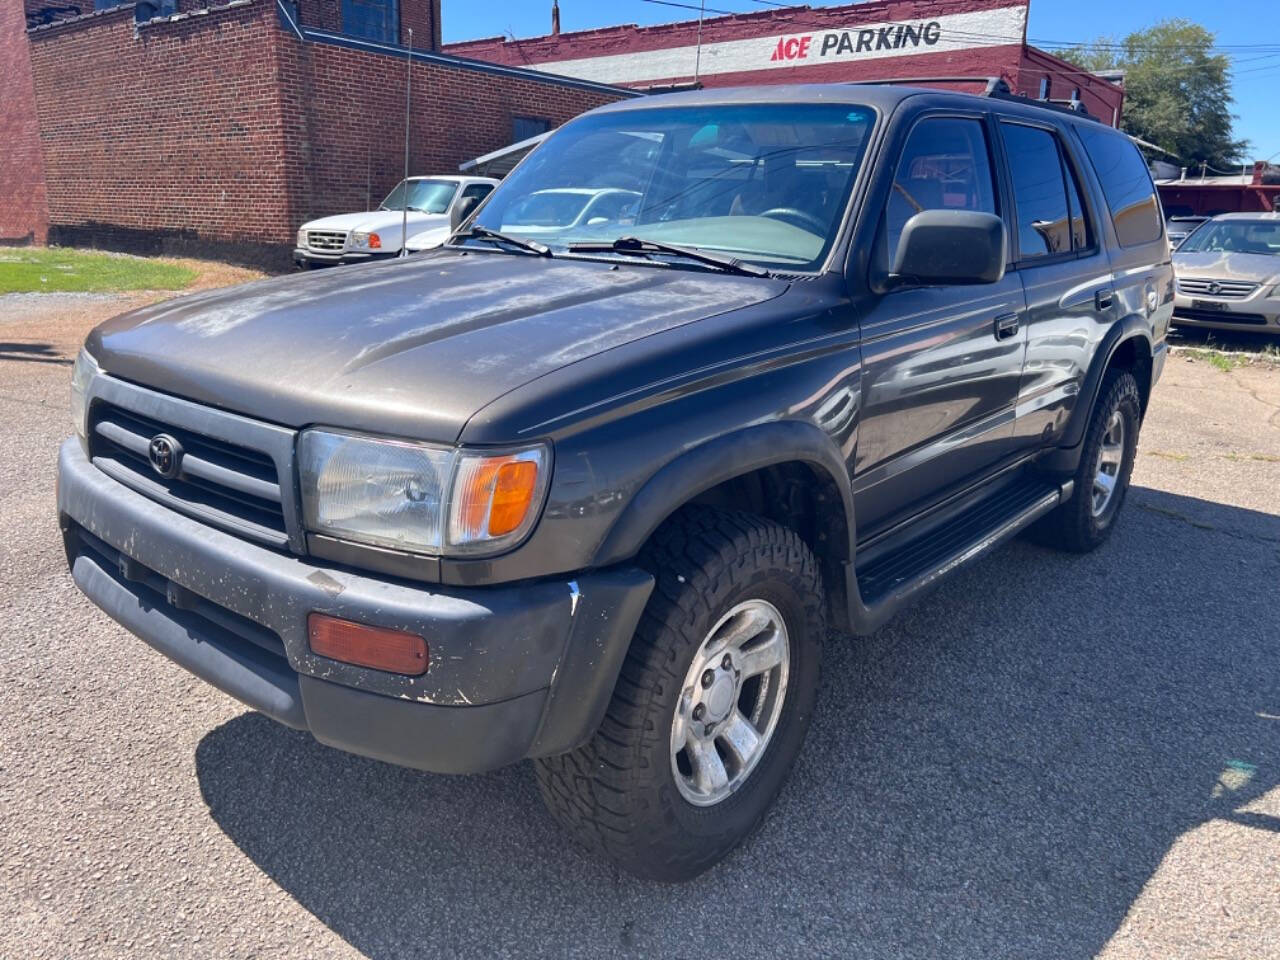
712 703
1085 521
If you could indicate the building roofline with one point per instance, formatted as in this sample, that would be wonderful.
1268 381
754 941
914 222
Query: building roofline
314 35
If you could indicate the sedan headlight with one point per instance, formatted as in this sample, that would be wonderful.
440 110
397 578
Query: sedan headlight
82 374
367 241
1275 292
420 497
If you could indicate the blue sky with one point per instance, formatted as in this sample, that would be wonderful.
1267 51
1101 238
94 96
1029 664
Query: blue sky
1236 23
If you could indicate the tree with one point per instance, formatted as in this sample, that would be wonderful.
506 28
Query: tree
1177 91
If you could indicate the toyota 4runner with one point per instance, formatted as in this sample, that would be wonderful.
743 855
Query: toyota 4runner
592 491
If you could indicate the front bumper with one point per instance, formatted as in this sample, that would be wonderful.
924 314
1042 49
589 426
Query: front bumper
305 257
1257 313
515 671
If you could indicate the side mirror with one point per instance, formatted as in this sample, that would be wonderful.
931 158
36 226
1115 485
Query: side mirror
950 247
461 210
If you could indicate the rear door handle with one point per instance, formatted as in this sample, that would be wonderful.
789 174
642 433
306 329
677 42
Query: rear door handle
1103 299
1006 325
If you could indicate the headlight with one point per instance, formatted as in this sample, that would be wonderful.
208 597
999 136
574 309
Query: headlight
81 376
419 497
1275 291
302 238
369 241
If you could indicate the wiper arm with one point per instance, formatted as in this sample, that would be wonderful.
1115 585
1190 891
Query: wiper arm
634 246
477 232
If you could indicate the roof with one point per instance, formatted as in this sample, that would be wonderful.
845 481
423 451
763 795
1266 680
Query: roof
1247 216
884 97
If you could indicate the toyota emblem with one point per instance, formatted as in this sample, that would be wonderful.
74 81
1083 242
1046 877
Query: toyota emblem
1215 287
165 454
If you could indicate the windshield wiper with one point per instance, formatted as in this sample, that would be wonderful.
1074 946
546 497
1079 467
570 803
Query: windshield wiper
477 232
634 246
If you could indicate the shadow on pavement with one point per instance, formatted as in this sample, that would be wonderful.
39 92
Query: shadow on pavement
32 353
1243 340
997 773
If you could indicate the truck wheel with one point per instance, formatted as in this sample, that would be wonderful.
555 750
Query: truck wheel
1085 521
712 703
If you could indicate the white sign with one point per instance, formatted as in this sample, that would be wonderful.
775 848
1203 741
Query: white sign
871 41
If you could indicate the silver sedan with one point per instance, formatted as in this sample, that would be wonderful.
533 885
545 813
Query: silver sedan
1228 274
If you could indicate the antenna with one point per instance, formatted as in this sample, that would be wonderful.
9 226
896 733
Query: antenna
408 100
697 60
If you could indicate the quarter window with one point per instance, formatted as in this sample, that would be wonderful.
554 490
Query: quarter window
945 166
1047 220
1126 183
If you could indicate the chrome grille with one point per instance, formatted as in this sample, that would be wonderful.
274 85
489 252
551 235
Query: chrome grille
328 241
1222 289
219 483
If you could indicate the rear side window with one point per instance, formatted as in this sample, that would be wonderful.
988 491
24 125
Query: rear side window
945 166
1050 218
1126 183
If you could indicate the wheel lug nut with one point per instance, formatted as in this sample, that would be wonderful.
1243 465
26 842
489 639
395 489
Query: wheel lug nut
699 712
727 662
708 678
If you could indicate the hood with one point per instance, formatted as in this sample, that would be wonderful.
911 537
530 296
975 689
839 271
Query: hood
429 239
410 347
379 221
1257 267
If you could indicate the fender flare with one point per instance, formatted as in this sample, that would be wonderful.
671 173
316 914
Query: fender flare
1134 326
711 463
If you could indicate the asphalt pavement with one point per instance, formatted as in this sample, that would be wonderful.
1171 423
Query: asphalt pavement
1052 756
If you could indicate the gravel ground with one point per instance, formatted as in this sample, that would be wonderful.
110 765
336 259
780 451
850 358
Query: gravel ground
1050 757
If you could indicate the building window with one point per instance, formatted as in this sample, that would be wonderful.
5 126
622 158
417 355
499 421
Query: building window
372 20
1044 88
150 9
522 128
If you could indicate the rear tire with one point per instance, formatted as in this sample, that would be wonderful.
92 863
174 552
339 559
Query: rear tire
644 792
1085 521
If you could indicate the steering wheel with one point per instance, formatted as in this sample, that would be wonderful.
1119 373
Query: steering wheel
792 215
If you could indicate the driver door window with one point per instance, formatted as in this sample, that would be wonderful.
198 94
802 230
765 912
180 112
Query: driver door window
945 166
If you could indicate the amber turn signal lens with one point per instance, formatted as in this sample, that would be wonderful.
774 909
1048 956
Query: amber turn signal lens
377 647
512 496
493 496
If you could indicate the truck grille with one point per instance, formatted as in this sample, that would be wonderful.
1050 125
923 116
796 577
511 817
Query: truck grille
219 483
1222 289
327 241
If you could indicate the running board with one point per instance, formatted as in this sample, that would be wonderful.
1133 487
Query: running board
888 581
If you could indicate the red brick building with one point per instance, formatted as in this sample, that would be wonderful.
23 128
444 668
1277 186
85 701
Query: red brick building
876 40
186 126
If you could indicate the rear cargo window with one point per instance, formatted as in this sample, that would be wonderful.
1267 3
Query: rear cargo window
1126 183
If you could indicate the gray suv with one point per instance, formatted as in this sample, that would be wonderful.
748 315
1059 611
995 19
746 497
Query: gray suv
596 494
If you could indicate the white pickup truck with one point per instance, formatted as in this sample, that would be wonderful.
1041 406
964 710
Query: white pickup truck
356 237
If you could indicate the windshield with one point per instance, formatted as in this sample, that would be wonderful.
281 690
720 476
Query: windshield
425 196
1235 236
765 183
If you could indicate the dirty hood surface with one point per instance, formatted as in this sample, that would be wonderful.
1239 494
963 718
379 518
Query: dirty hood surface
409 347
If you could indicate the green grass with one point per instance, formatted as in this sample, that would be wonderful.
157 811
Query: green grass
61 270
1220 360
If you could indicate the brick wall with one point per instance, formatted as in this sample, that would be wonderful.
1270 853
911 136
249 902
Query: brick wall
24 214
167 141
220 133
345 109
424 17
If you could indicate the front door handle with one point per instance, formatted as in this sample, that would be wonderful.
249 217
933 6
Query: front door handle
1006 325
1103 299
